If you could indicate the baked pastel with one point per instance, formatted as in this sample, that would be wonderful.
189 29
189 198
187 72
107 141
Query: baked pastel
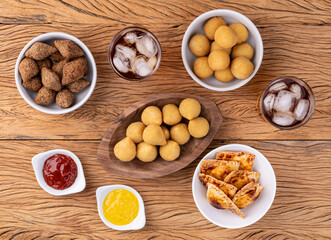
246 159
247 195
218 169
228 189
240 178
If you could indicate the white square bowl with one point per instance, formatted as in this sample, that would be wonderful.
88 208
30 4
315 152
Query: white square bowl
80 98
38 165
255 211
254 39
138 223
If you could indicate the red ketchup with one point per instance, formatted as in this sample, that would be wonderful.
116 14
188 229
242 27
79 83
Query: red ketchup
60 171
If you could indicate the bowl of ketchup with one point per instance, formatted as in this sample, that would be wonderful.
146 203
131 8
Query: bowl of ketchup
59 172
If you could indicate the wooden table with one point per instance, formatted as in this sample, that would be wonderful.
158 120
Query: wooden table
297 38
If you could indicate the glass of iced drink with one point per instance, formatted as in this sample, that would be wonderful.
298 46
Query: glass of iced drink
287 103
134 53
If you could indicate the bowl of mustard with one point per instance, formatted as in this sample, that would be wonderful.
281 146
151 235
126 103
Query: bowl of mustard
121 207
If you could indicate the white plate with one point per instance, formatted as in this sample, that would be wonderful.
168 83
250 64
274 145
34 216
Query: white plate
138 223
38 165
255 211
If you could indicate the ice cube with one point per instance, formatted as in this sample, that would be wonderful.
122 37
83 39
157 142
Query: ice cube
121 64
301 109
146 46
269 102
130 37
284 101
125 52
152 61
296 89
283 118
141 67
277 87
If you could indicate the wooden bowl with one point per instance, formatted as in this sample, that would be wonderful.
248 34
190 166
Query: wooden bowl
159 167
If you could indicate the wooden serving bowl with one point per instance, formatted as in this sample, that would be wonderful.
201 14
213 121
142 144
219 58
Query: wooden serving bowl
159 167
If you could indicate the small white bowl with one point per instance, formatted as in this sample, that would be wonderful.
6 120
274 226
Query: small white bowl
254 39
80 98
38 165
138 223
255 211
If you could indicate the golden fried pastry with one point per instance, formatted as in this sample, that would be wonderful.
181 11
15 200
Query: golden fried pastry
180 134
189 108
146 152
247 195
170 151
240 178
153 134
125 150
214 47
228 189
198 127
171 115
225 37
135 131
199 45
201 68
224 75
217 168
240 30
166 132
241 67
218 60
151 115
246 159
218 199
243 49
211 26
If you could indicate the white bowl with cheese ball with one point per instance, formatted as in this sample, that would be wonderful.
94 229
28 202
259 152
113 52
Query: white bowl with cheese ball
197 27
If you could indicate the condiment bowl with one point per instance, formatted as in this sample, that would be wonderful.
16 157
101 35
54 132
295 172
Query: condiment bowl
254 39
138 223
38 164
253 212
80 98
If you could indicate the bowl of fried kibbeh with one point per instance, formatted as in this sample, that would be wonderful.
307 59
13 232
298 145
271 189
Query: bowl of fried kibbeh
234 186
55 73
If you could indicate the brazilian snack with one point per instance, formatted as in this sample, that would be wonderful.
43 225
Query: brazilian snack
45 96
68 49
39 51
28 68
45 63
65 98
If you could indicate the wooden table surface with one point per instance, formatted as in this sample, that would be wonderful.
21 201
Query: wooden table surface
297 40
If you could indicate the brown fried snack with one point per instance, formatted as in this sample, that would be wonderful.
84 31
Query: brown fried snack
45 96
72 71
83 61
58 67
50 79
68 49
78 85
28 68
247 195
65 98
56 57
34 84
44 63
40 51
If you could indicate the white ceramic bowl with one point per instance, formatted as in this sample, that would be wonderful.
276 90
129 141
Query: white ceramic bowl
80 98
255 211
38 165
254 39
138 223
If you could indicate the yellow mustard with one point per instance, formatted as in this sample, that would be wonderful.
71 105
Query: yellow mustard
120 207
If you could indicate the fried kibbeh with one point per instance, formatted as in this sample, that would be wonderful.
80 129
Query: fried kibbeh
247 195
34 84
240 178
50 79
58 67
56 57
65 98
201 68
218 60
45 96
241 67
78 86
246 159
228 189
240 30
217 168
243 49
83 61
40 51
224 75
225 37
72 71
211 26
199 45
45 63
68 49
28 68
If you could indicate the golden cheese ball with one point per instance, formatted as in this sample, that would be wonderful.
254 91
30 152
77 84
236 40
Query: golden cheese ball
180 134
166 132
198 127
243 49
171 115
170 151
201 68
211 25
241 67
135 131
218 60
225 37
151 115
224 75
125 150
214 47
189 108
153 134
240 30
146 152
199 45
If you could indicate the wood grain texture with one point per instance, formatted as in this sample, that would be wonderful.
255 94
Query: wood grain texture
289 50
301 209
159 167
